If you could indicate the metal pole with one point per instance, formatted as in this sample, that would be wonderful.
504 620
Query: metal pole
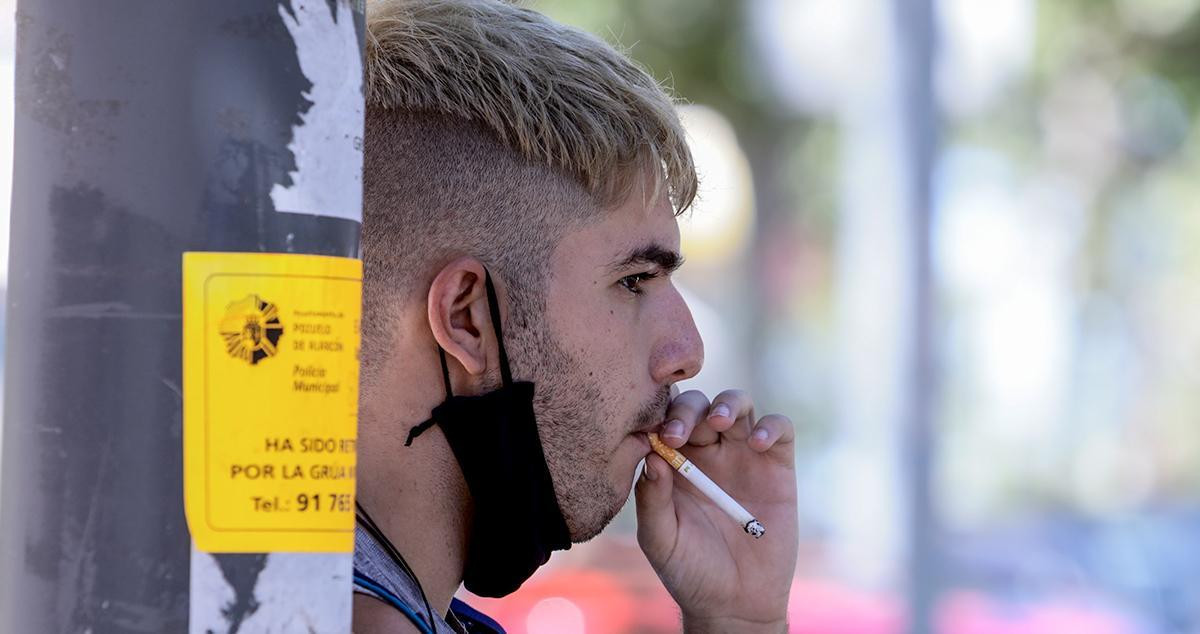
146 129
916 40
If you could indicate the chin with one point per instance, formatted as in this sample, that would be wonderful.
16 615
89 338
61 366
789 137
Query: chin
583 531
600 510
591 512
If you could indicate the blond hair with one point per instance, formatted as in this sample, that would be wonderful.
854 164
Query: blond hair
557 95
490 130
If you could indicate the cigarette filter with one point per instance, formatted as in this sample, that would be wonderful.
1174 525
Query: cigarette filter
708 487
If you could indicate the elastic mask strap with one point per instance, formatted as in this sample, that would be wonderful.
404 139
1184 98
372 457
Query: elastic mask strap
494 307
505 371
420 428
445 374
417 430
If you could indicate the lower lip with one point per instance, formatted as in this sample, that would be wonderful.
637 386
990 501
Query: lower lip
643 439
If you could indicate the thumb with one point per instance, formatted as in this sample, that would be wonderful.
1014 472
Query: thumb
657 524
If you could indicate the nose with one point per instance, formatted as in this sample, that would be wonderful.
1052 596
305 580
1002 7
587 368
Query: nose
679 351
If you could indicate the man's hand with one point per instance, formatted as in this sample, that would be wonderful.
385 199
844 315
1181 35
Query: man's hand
723 579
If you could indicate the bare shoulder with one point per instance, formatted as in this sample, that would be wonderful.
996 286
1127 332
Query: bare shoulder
372 616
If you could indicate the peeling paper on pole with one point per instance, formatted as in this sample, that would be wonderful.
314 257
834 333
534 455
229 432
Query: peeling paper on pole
327 144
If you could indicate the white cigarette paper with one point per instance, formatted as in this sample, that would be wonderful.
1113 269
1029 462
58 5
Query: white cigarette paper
707 487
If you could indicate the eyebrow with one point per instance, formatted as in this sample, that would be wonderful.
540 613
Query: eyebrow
667 259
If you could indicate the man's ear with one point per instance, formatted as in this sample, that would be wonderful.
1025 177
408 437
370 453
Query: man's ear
458 314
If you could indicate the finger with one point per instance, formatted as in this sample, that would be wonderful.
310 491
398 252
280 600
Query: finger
657 524
772 430
683 414
731 414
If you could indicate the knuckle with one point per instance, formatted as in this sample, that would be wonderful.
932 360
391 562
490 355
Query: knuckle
691 402
728 394
776 420
737 398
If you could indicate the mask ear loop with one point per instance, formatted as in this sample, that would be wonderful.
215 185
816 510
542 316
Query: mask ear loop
494 307
505 371
445 374
420 428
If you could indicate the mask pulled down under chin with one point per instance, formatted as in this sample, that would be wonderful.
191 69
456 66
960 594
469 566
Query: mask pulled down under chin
516 522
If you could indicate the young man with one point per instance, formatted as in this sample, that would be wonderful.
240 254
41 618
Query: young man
521 332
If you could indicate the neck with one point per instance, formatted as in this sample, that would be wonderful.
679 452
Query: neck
416 495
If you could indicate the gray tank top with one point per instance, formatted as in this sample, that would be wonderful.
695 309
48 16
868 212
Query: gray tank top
372 560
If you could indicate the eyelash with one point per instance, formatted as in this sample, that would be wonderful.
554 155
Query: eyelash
631 282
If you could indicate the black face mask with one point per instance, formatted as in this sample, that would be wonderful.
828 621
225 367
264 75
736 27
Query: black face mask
516 522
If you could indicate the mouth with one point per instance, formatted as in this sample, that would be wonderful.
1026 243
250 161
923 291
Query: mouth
651 418
649 427
643 439
641 435
654 414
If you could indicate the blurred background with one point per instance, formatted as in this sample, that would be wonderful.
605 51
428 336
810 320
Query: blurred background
951 241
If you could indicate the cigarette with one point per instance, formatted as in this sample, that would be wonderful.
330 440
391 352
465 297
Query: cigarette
708 487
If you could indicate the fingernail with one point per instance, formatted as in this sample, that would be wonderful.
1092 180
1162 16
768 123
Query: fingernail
760 434
720 410
648 472
674 428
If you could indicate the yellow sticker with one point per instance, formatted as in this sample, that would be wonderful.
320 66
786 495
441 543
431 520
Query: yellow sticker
270 380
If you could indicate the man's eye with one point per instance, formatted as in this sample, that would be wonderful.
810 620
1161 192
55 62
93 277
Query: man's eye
633 283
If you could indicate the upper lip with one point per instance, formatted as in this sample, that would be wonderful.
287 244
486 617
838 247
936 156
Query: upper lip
659 417
654 424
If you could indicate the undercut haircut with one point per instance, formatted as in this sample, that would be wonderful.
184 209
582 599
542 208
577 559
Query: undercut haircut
490 131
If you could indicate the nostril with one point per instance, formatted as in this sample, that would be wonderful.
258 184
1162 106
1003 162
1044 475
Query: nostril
690 367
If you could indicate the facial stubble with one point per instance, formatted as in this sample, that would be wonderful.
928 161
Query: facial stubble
573 413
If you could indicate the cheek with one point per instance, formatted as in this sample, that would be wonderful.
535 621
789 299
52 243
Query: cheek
597 333
602 335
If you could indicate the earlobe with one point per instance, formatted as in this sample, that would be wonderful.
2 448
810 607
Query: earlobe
458 313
